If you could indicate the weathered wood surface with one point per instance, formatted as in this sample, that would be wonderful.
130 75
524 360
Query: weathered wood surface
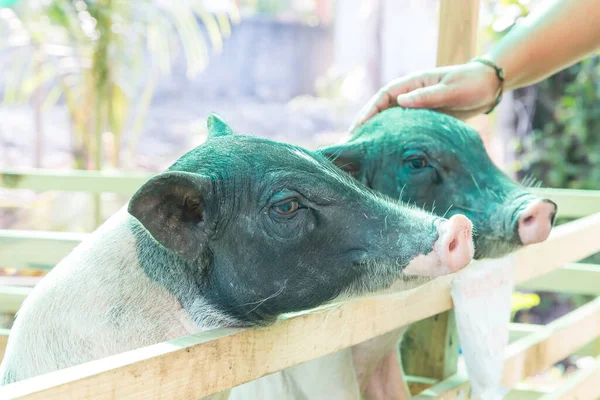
227 358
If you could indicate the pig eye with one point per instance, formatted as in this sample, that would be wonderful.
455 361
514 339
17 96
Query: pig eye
417 163
287 207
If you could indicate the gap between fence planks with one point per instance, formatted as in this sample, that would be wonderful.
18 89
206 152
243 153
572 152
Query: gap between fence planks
204 364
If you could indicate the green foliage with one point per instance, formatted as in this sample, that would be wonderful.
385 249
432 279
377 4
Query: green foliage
563 148
101 57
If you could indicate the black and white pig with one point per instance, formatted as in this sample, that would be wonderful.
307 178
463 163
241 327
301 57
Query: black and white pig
439 163
236 232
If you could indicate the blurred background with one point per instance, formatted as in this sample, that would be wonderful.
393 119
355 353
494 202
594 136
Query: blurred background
126 85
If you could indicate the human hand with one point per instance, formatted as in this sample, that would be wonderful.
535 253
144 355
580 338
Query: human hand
463 91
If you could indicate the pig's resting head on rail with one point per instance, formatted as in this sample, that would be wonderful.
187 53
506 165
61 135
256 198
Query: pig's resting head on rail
236 232
263 229
439 163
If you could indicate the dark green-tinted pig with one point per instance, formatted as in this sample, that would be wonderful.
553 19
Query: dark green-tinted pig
238 231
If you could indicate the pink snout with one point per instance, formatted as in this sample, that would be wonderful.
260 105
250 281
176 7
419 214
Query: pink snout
535 221
452 251
455 244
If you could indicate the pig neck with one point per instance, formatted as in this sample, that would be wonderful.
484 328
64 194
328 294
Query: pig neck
185 281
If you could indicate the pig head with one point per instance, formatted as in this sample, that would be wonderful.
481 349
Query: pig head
439 163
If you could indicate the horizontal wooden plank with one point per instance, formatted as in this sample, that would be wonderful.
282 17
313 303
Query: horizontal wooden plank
73 180
568 243
11 298
572 203
517 331
573 278
582 385
227 358
524 395
457 388
36 249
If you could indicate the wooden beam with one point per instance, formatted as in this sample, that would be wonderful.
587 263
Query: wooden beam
434 355
582 385
524 395
566 244
573 278
73 180
36 249
225 358
454 387
457 36
517 331
572 203
430 347
457 388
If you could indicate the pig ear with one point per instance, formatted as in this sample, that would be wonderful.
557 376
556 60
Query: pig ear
348 159
217 127
171 206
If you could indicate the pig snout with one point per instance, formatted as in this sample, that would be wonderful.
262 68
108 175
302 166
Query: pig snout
452 251
535 221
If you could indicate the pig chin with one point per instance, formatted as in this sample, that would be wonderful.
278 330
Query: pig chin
428 265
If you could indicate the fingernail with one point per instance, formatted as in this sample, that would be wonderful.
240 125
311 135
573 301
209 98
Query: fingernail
405 100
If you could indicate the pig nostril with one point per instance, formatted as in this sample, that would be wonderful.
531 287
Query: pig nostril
453 245
529 220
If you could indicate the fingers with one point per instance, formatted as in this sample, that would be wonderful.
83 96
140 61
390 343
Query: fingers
376 104
387 96
432 97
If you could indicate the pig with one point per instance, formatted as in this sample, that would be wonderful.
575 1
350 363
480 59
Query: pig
439 163
235 233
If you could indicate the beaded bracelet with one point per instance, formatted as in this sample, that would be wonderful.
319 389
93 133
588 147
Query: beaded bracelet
499 75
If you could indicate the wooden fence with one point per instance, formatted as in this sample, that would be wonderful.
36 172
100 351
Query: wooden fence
208 363
229 357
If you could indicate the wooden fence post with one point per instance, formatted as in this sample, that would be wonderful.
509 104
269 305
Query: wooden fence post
430 347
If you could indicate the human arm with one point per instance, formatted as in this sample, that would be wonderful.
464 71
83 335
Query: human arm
546 42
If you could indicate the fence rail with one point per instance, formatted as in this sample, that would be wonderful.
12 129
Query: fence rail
228 357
